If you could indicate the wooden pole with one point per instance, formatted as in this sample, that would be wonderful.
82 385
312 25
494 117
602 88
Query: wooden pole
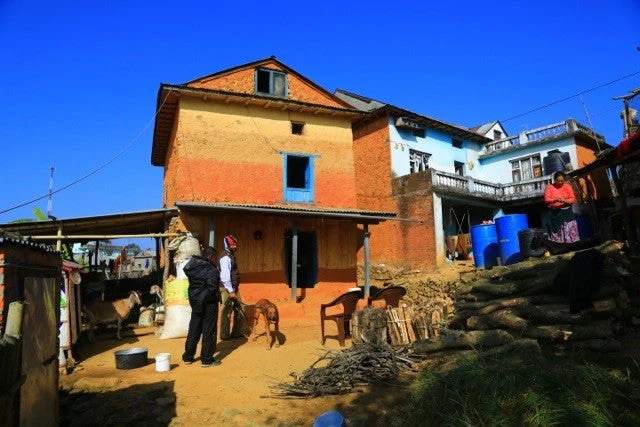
367 283
294 261
59 238
158 272
165 274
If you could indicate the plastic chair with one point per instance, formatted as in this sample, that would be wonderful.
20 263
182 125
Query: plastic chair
391 296
349 301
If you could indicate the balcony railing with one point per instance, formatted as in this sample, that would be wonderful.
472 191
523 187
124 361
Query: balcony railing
466 185
569 126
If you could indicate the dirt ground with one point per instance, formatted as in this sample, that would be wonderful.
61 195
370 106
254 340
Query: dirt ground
230 394
234 393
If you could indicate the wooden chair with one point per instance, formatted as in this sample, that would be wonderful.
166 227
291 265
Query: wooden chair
349 302
391 296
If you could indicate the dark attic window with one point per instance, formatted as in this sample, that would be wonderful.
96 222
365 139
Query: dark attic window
271 82
297 127
264 78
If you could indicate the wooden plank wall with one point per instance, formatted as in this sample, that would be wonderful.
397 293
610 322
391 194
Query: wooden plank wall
338 240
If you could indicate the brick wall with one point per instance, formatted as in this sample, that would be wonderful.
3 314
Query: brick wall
393 242
243 81
596 184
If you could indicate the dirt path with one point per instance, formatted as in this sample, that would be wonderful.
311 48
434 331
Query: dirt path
228 394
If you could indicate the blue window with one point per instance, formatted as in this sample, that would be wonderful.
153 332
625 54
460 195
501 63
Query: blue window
271 82
298 178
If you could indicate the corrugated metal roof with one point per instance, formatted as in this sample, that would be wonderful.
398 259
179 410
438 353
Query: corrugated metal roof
25 242
376 107
483 129
140 222
293 210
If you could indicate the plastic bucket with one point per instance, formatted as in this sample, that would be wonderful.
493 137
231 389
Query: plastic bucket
330 419
163 362
507 228
484 243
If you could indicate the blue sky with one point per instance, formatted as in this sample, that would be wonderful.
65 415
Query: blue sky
81 78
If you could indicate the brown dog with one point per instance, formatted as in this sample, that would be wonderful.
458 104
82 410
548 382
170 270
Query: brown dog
269 312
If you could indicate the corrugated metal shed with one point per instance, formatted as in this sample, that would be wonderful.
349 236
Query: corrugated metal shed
142 222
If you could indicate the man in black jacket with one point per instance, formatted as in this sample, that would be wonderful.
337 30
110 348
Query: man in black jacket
204 295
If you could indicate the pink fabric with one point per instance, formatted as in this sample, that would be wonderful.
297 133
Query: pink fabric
568 233
563 192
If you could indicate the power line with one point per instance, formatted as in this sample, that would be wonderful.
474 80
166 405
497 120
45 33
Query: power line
572 96
95 171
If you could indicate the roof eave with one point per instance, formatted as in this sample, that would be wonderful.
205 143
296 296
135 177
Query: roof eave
368 217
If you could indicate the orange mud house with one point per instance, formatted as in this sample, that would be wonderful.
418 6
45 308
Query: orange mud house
263 153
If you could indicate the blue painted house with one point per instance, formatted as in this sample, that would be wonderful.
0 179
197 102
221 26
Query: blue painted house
452 177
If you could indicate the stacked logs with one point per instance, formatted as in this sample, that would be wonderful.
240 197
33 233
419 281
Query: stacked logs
522 301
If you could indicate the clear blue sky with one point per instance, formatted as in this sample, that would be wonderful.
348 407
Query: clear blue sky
80 79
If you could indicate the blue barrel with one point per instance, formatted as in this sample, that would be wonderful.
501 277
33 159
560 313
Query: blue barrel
507 228
484 243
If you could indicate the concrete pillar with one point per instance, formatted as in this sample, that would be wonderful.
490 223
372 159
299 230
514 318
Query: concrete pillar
438 228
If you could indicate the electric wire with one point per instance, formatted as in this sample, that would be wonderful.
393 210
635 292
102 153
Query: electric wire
98 169
570 97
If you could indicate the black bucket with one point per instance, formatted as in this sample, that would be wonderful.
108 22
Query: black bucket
526 237
131 358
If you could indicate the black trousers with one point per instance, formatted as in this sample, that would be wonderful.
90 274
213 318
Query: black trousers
205 324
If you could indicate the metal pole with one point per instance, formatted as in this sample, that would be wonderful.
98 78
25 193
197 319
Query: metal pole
294 261
366 261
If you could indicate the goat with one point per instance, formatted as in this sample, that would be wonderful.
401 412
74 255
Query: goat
157 290
99 312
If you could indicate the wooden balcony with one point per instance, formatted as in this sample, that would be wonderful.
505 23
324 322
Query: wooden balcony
451 183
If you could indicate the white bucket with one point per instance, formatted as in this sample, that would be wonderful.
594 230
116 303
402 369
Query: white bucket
163 362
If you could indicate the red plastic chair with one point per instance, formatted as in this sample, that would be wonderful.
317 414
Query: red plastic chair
391 296
349 301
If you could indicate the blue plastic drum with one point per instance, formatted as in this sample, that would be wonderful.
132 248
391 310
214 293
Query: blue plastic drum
484 241
507 227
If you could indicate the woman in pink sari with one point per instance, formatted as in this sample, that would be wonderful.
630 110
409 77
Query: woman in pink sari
559 197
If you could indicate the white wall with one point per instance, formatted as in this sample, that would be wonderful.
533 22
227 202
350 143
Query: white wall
496 126
497 168
436 143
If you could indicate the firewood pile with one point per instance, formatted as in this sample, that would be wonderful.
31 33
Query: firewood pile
340 372
543 299
409 323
